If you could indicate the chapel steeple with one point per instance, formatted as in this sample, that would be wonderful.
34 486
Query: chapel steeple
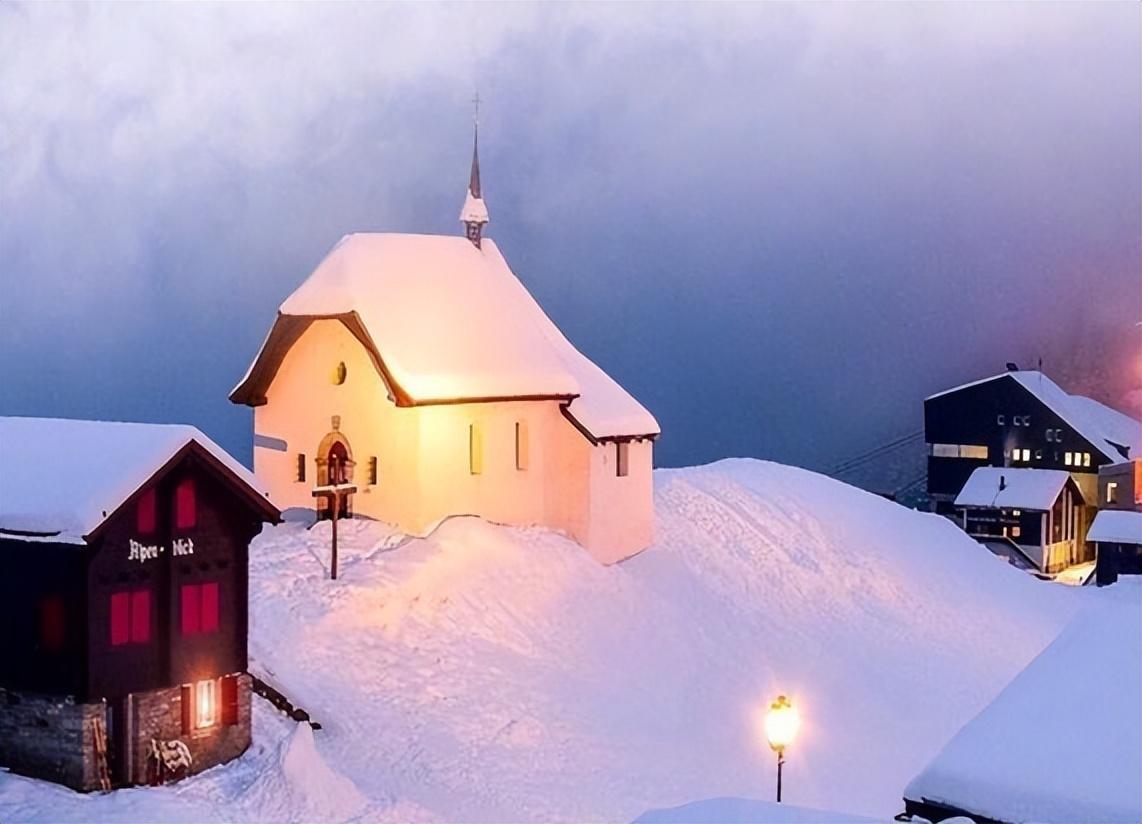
474 213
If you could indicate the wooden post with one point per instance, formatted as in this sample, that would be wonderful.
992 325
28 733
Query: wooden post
336 502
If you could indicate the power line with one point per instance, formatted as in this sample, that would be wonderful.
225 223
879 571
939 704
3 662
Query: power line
876 452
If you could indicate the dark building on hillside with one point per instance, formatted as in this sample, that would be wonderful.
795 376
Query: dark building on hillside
1117 528
1050 446
123 601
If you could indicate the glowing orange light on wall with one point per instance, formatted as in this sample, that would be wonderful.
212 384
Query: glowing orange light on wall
206 704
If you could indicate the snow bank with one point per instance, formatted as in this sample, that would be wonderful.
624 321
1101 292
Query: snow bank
1063 741
494 674
745 811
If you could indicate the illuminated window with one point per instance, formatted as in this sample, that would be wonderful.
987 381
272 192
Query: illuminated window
954 450
1068 459
622 459
185 505
130 617
206 704
145 513
521 446
1016 512
339 374
1086 459
1112 492
1026 454
1015 531
1038 454
475 449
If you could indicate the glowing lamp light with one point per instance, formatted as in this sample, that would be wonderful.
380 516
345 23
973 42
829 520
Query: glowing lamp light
207 706
781 724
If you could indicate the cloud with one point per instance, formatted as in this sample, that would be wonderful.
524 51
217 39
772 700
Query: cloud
749 213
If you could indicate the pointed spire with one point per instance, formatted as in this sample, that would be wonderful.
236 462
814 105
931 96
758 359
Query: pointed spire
474 213
474 180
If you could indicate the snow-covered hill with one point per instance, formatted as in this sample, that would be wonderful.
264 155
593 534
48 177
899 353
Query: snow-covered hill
488 673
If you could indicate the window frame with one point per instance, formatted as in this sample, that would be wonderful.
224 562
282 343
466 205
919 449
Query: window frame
622 459
186 504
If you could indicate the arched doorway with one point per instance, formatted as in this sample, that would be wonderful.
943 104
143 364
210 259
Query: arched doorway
334 466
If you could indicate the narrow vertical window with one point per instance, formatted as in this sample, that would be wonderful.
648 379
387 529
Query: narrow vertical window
185 505
206 704
373 471
1111 492
522 455
145 513
53 624
1086 459
1067 458
622 459
301 467
475 449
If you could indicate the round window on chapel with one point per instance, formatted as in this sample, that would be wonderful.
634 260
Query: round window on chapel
339 373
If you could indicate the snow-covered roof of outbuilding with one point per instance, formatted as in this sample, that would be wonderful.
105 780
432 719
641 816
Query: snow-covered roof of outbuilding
1116 526
1104 427
60 479
1078 705
447 322
1000 487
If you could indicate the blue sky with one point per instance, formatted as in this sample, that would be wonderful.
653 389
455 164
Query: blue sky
780 226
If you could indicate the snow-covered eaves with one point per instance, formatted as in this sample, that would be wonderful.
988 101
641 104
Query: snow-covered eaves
998 487
447 322
60 479
1077 705
1106 428
1115 526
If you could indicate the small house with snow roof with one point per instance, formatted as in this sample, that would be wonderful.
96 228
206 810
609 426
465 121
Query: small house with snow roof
123 601
1015 459
418 369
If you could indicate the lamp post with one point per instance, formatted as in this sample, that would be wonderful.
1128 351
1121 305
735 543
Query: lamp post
781 723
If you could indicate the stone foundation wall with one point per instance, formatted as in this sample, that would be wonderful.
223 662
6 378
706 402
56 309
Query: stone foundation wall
158 715
50 737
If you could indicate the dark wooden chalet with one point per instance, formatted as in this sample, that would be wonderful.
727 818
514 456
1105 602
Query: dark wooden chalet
1023 421
124 601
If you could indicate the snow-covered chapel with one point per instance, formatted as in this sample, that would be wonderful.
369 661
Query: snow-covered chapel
419 369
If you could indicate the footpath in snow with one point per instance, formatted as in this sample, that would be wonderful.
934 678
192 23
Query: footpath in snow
494 674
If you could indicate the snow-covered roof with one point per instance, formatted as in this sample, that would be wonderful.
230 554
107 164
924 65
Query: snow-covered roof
999 487
63 478
1077 704
1104 427
1116 526
452 322
474 210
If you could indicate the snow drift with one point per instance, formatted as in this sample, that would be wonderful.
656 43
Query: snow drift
487 673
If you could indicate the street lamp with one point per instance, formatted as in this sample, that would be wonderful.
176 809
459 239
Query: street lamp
781 723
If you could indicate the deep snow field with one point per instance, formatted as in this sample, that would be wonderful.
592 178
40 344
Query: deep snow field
486 673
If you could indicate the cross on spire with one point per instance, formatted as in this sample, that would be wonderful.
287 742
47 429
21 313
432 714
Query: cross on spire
474 214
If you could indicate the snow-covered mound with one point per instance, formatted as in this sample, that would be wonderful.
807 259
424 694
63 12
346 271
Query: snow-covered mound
487 673
747 811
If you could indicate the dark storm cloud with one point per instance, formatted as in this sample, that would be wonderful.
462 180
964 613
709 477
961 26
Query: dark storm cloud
779 226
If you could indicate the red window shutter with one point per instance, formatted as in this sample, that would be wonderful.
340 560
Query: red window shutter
53 623
191 609
141 616
187 702
185 505
145 516
210 607
120 618
230 700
